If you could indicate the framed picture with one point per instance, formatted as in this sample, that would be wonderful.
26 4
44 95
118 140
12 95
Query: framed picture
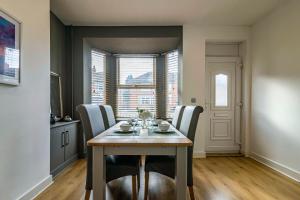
9 50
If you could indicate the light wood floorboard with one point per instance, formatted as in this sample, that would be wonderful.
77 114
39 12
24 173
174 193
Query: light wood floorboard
215 178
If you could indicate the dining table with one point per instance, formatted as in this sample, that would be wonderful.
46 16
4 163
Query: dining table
141 141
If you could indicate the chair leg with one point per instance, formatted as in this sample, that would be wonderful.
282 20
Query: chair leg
146 185
134 193
139 181
87 194
141 161
191 190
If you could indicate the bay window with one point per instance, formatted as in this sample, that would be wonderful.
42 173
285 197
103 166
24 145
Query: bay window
128 82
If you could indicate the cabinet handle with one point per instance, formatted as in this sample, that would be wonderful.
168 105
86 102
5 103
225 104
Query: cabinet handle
67 138
62 140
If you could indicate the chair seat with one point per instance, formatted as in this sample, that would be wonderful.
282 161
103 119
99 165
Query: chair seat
162 164
118 166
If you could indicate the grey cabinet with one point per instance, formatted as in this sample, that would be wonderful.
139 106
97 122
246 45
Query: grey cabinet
63 145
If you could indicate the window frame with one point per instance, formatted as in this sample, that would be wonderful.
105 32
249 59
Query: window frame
104 73
135 86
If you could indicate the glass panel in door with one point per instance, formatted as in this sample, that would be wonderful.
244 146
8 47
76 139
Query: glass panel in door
221 90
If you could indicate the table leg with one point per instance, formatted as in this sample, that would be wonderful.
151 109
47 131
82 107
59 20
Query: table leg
181 173
99 173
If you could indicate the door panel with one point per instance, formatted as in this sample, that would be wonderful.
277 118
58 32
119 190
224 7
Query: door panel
221 129
220 106
71 141
57 147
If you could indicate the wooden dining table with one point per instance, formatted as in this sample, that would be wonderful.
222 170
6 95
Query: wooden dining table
140 142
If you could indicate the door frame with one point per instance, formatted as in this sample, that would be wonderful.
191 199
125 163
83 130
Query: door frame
238 97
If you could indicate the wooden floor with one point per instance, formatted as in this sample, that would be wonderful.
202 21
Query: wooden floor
215 178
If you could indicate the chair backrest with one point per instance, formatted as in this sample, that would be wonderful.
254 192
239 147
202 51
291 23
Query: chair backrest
91 119
177 116
188 127
108 116
93 125
189 121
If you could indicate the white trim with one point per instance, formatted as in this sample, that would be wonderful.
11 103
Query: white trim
37 189
223 149
199 154
283 169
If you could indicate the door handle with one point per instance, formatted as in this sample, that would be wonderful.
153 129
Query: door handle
206 105
67 138
62 139
240 104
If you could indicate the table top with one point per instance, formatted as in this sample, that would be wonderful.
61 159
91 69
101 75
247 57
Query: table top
141 138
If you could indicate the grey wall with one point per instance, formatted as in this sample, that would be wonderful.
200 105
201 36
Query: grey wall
180 70
161 86
59 55
111 79
87 63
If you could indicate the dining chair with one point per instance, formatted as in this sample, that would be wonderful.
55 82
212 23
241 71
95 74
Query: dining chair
177 116
109 121
108 116
116 166
166 164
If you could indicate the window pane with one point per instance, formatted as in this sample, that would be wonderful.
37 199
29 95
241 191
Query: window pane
172 82
98 78
221 97
130 99
136 71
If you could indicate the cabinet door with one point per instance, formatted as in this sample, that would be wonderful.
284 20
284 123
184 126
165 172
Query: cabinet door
57 147
71 141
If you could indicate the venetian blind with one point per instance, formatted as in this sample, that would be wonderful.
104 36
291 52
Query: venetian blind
172 66
136 85
97 78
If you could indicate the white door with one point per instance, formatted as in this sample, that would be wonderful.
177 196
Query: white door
223 105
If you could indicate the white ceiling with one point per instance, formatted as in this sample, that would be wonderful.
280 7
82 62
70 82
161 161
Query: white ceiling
134 45
162 12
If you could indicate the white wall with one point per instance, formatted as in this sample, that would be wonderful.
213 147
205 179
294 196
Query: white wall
276 89
222 49
24 110
193 84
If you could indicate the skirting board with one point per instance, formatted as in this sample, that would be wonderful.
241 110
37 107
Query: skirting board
37 189
291 173
199 154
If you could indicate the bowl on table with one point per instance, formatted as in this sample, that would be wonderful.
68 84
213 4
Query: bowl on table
164 126
125 127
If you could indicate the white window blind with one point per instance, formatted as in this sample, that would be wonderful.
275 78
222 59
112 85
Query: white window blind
98 78
136 85
172 66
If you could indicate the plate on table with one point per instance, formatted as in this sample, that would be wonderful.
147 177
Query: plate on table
119 131
164 132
